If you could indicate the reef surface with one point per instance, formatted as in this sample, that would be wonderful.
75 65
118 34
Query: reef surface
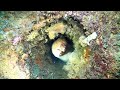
59 44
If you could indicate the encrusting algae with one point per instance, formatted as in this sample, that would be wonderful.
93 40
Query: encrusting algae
54 30
65 44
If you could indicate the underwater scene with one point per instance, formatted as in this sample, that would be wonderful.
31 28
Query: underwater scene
59 44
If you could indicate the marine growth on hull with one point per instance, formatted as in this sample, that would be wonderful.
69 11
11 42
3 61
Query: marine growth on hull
59 45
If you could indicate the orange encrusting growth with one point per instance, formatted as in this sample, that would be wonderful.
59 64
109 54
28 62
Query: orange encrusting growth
87 54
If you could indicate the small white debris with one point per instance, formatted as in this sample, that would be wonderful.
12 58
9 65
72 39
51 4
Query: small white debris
86 41
65 16
89 38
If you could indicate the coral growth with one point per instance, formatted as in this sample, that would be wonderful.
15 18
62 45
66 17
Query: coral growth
76 66
9 67
32 35
54 30
26 39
